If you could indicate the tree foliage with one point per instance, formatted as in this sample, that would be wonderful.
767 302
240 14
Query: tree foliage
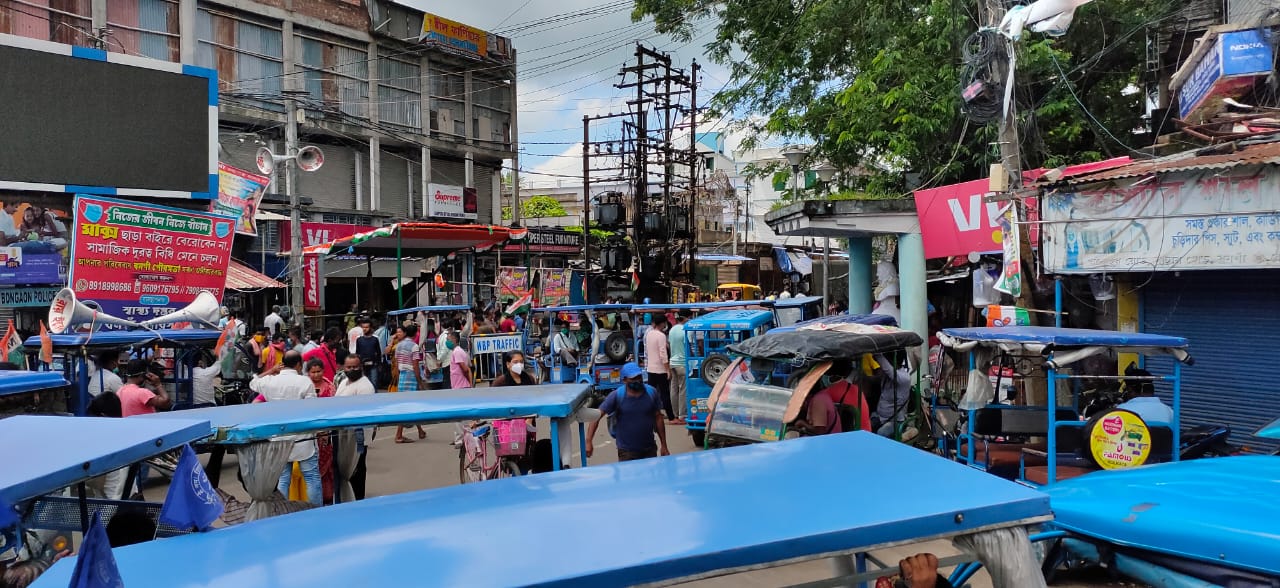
875 84
540 206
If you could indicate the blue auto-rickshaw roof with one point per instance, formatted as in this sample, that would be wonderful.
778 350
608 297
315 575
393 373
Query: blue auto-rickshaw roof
729 320
646 521
795 301
842 319
1061 337
22 382
244 423
726 304
1221 511
49 453
126 338
582 307
444 308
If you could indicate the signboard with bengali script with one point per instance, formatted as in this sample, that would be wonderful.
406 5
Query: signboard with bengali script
140 261
454 35
239 194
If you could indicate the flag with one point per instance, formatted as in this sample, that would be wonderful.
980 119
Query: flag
635 280
521 304
227 335
46 344
96 566
191 501
12 344
1007 316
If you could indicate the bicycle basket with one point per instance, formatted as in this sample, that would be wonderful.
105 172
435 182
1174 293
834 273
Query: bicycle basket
510 437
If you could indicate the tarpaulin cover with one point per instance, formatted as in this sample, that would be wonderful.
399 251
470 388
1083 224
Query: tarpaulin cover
842 319
417 239
658 520
1065 337
1220 510
810 344
21 382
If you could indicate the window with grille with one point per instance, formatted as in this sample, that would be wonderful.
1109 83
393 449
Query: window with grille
336 72
248 54
347 219
399 92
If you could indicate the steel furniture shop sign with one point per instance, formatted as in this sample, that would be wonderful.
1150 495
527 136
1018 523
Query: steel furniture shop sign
140 261
1185 222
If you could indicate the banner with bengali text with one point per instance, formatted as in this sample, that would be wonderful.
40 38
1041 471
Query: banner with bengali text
1180 223
555 287
140 261
239 194
513 282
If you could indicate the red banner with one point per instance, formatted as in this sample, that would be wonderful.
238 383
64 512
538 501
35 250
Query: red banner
319 233
140 261
311 282
956 219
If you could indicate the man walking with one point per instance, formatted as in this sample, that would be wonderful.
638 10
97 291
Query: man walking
369 349
285 382
657 361
635 414
676 340
355 384
273 321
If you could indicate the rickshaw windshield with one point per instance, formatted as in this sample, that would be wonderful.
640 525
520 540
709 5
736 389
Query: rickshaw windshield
750 409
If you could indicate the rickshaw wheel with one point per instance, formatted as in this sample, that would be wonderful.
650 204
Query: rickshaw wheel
699 438
617 347
713 366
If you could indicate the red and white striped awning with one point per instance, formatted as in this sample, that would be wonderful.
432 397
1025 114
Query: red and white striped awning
242 278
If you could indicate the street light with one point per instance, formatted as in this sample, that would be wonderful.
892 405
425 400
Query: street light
795 154
826 172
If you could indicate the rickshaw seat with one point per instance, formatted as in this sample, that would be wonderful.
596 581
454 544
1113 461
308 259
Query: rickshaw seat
996 455
1040 474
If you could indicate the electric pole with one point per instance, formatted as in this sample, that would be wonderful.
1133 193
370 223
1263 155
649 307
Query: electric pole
295 209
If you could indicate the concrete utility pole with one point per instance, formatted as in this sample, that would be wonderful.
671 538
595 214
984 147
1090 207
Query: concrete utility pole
295 212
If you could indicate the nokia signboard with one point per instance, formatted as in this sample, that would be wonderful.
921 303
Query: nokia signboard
86 121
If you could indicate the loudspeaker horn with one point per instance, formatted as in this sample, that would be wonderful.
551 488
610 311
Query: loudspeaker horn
310 158
66 312
203 310
266 161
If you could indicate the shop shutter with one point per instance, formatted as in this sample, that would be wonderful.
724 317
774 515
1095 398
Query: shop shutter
333 185
727 274
394 196
484 194
1230 320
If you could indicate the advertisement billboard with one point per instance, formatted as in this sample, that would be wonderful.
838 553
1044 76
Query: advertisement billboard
140 261
239 194
447 201
454 35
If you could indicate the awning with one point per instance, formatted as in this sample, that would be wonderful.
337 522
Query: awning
719 257
244 279
415 239
267 215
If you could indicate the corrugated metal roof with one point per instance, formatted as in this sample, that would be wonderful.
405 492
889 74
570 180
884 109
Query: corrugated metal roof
241 278
1258 154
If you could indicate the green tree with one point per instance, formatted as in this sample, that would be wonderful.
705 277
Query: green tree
875 84
541 206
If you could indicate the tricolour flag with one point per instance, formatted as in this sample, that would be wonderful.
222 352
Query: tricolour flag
191 503
12 344
635 280
228 334
521 304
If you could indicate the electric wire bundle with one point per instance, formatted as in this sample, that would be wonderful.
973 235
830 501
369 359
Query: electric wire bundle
980 87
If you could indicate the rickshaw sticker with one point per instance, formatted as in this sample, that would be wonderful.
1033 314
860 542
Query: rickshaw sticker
769 434
1120 440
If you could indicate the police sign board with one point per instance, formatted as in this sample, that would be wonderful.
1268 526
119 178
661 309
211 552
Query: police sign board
485 344
27 297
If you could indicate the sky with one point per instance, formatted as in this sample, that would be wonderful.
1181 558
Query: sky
567 68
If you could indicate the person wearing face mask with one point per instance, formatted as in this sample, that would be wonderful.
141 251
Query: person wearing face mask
354 383
513 373
258 344
565 346
635 414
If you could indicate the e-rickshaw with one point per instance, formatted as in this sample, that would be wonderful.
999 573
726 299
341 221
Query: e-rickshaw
253 430
697 515
999 436
797 309
600 358
739 291
763 392
707 341
60 453
184 347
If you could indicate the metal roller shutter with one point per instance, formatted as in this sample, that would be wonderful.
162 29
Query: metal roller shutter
484 194
1230 320
394 187
333 185
445 171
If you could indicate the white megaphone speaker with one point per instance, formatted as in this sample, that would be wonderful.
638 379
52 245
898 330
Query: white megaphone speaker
310 158
204 310
66 312
267 160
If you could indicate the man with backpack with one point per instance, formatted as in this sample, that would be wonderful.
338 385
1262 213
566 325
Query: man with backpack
635 414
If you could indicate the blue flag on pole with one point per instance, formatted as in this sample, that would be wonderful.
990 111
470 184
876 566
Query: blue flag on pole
95 565
192 501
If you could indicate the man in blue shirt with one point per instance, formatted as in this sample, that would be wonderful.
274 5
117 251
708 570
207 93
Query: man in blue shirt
635 413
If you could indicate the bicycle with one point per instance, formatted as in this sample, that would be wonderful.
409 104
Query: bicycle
510 442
